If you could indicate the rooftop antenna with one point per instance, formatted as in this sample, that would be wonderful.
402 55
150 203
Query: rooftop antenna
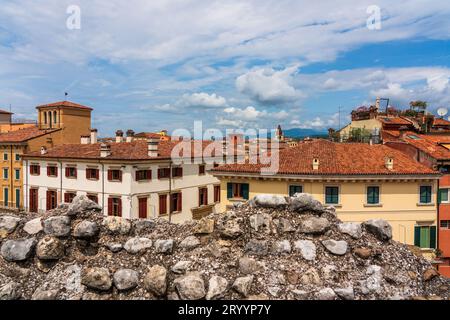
442 112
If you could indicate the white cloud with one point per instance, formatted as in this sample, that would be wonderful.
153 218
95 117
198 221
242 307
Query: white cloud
318 122
269 86
203 100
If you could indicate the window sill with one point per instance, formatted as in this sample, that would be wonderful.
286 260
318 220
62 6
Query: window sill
426 204
237 199
114 181
143 180
92 179
336 205
73 178
374 205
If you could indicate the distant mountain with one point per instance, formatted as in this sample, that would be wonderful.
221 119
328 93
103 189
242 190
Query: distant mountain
303 133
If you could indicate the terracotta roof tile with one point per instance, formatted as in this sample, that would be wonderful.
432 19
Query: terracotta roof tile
5 112
429 144
394 121
135 150
337 159
64 104
23 135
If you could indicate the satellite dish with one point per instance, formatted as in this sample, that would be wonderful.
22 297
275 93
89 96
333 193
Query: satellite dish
442 111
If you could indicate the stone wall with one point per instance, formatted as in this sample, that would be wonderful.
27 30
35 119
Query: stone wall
270 248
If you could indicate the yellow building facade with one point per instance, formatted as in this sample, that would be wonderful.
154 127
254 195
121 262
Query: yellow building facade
58 123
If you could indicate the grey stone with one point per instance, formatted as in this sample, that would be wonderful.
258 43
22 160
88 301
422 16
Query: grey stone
300 294
314 225
114 247
117 225
18 250
40 294
96 278
345 293
351 228
49 248
164 246
261 222
230 229
216 288
372 284
58 226
191 286
306 248
86 230
8 223
242 285
81 204
143 226
125 279
248 265
181 267
302 202
326 294
268 201
282 247
10 291
155 280
336 247
257 247
284 225
380 228
33 227
189 243
137 245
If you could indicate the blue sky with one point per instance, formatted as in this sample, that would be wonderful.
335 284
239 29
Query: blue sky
151 65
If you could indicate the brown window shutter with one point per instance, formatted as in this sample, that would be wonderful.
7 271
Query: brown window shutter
180 201
180 172
120 207
76 172
149 174
67 172
110 206
120 175
159 173
162 204
56 171
136 175
200 194
109 175
48 171
48 201
66 197
38 169
97 174
87 174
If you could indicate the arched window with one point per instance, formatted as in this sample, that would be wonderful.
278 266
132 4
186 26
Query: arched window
45 117
50 118
55 117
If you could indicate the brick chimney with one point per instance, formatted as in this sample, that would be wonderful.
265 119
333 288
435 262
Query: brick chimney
315 164
130 135
389 163
152 145
93 136
105 150
119 136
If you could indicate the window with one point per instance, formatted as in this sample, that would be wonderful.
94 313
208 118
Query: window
5 156
51 200
5 196
17 171
35 169
115 175
443 196
92 174
93 197
163 173
71 172
425 194
17 157
115 206
373 195
17 198
162 204
216 193
176 202
332 195
45 117
68 196
295 189
177 172
52 171
143 175
238 191
445 224
425 237
54 117
202 196
201 169
5 173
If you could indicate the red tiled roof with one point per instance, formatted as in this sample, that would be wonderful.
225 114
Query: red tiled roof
394 121
135 150
64 104
441 122
5 112
23 135
336 159
429 144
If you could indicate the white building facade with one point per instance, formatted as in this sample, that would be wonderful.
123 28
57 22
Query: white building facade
144 187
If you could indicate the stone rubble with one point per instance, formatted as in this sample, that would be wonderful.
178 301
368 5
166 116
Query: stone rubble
270 248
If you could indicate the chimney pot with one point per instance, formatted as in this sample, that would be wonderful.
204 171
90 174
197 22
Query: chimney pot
153 146
85 139
93 136
389 163
130 135
315 164
119 136
105 150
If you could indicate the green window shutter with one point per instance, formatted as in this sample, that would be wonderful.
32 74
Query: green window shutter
417 236
229 190
245 191
433 237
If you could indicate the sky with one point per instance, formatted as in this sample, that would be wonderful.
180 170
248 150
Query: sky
152 65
